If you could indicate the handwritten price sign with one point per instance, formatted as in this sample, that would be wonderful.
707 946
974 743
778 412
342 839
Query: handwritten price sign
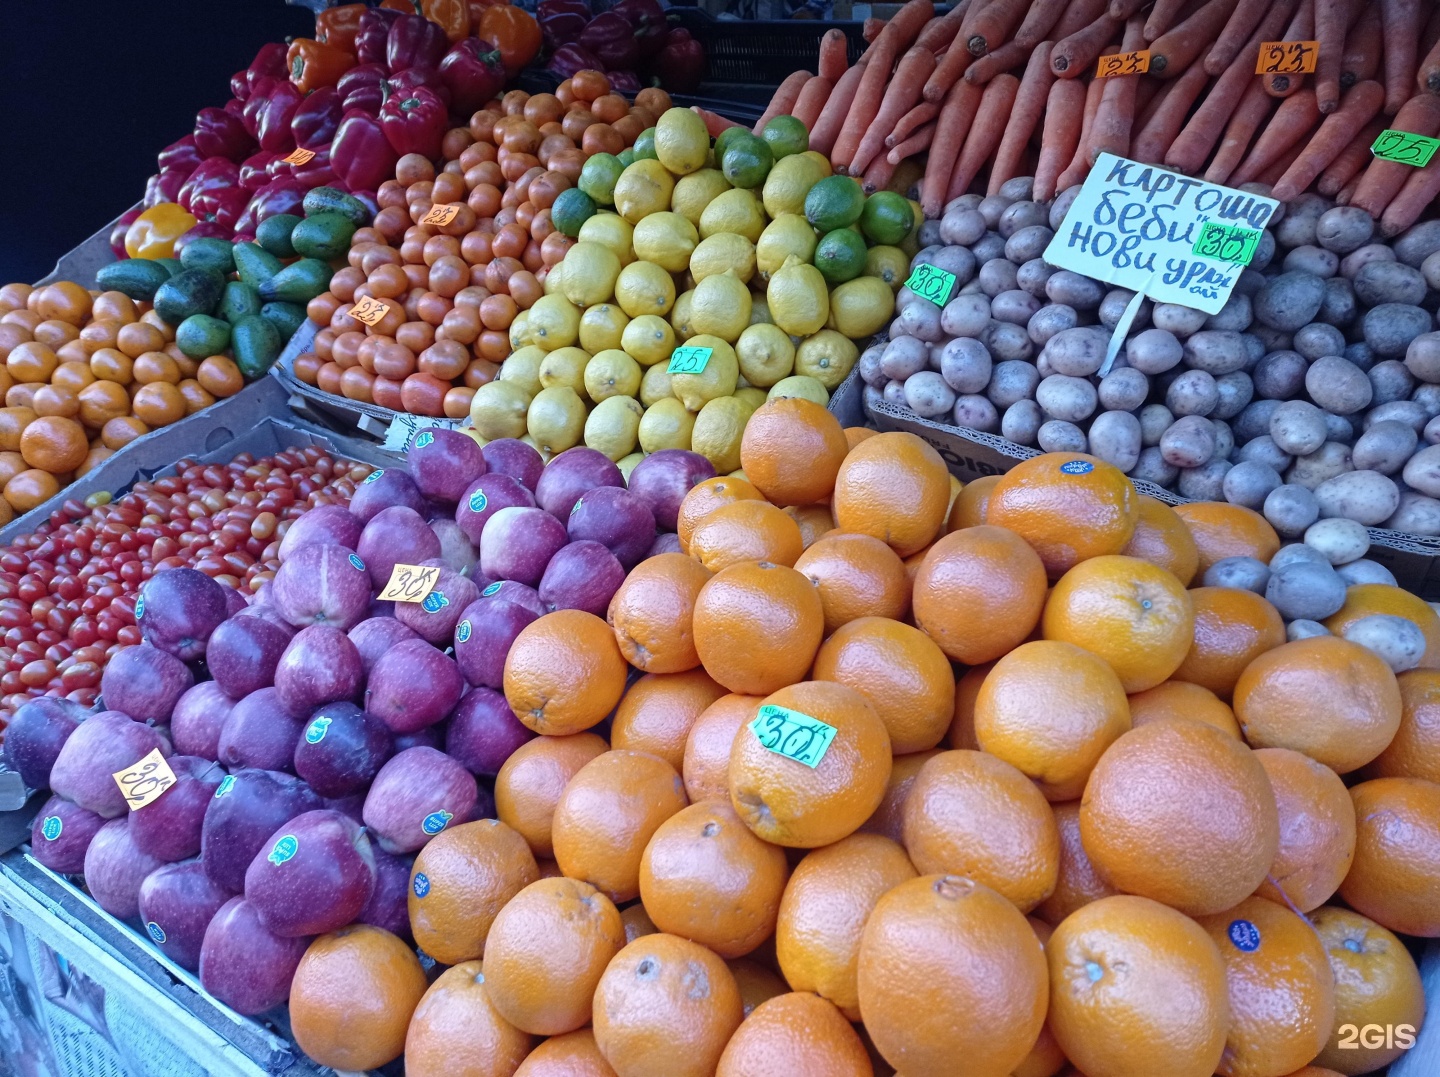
299 157
369 310
1287 57
439 216
1404 148
792 734
1123 63
1227 243
932 283
409 583
688 360
146 780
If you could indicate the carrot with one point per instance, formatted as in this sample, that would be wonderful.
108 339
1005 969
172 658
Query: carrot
1302 25
1347 192
1400 21
1431 37
714 123
1292 122
1030 100
972 13
832 116
870 29
811 100
1429 76
954 120
1009 55
1161 122
1079 166
1043 16
985 132
1281 165
868 96
901 95
1075 16
1332 22
912 121
1064 114
1360 105
940 31
1163 15
1238 28
1361 58
1115 118
992 25
1253 110
949 69
904 27
877 177
1419 191
916 143
1351 161
834 54
1173 51
1383 179
1123 9
1076 54
786 94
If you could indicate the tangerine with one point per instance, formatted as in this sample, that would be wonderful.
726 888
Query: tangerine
54 444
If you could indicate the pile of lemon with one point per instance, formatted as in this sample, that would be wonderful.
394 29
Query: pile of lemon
748 255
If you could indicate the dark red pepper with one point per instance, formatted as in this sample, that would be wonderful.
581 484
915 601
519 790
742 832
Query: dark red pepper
225 207
240 84
415 122
562 21
413 79
414 41
315 172
236 109
361 155
680 65
569 59
473 73
624 81
219 134
213 175
117 234
269 62
282 195
374 31
275 115
612 40
180 156
164 187
255 104
315 121
647 19
362 87
255 169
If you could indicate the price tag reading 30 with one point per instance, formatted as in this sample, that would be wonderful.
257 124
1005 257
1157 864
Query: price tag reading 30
1287 57
1404 148
792 734
688 360
439 216
369 310
1123 63
1227 243
932 283
409 583
145 781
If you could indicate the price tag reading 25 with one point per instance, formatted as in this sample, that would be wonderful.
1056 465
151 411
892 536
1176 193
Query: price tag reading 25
409 583
1123 63
1404 148
145 781
369 310
792 734
932 283
688 360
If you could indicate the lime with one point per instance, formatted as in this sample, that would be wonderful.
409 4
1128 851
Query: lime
765 354
887 218
834 202
572 209
648 339
747 161
802 386
642 189
645 145
626 157
799 301
889 264
590 272
644 288
556 418
666 425
787 234
720 307
786 135
667 239
727 136
597 178
722 252
734 211
840 256
827 357
613 426
681 141
861 306
601 327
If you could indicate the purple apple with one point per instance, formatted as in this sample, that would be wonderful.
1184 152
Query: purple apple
434 617
249 806
521 594
483 637
319 666
168 828
235 601
178 609
198 718
322 525
245 966
114 869
570 475
483 732
341 750
35 735
145 682
177 903
618 520
268 612
376 635
416 795
485 497
665 542
432 736
61 833
353 806
518 544
261 732
382 489
242 654
105 743
511 456
663 478
581 576
322 585
444 462
396 536
389 906
412 686
312 876
456 549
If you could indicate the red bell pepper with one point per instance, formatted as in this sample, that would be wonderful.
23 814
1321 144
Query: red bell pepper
647 20
180 156
562 21
219 134
568 59
236 109
416 77
275 116
226 206
269 62
361 155
362 88
213 175
624 81
373 33
163 187
680 65
414 41
240 85
255 103
473 73
415 121
315 121
117 234
282 195
338 26
612 40
255 170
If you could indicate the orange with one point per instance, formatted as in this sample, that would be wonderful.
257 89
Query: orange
571 1055
665 1007
1077 883
857 576
102 401
13 422
979 593
64 300
72 376
564 673
1368 599
1376 983
854 435
968 508
745 531
546 952
652 613
637 922
831 894
1050 710
121 431
11 464
1415 750
1334 700
530 783
196 398
54 444
607 815
1232 629
900 671
1281 990
1181 699
352 997
1068 506
706 878
30 488
1134 615
786 802
219 375
893 487
705 497
706 764
57 400
158 403
1181 813
658 710
795 1035
1136 990
1221 530
1317 829
755 982
1162 538
889 818
813 521
460 880
456 1029
792 450
967 690
1395 879
757 627
938 947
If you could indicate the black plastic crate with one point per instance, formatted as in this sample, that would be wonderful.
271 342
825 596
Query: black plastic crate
760 52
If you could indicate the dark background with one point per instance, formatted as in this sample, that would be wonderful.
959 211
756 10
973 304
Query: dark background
92 91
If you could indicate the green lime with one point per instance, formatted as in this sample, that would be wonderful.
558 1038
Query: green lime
840 256
786 135
626 157
834 202
727 136
645 145
597 178
571 209
747 161
887 218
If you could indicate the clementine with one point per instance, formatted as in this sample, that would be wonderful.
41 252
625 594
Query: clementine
53 443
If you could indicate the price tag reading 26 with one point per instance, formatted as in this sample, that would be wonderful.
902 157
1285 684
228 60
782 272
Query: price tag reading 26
369 310
145 781
1287 57
932 283
792 734
688 360
1227 243
409 583
1404 148
1123 63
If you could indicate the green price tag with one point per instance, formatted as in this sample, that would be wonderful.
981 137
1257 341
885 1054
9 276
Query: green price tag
792 734
932 283
1404 148
688 360
1227 243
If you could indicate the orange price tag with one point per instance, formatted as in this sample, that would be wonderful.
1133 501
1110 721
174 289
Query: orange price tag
369 310
1287 57
145 781
441 215
1123 63
299 157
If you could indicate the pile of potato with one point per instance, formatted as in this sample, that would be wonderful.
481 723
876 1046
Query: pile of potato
1313 394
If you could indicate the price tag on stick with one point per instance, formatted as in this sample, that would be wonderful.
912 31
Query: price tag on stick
932 283
1123 63
369 310
142 783
409 583
688 360
792 734
1287 57
1404 148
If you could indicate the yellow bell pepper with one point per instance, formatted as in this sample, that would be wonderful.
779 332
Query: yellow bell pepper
154 232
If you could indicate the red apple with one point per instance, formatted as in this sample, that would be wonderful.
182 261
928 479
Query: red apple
235 601
416 795
483 732
570 475
376 635
144 682
244 965
412 686
389 906
444 462
35 735
663 479
429 737
521 594
198 718
60 834
331 525
382 489
517 544
434 617
249 806
319 666
313 875
243 652
114 869
618 520
511 456
456 549
177 903
396 536
260 732
341 750
581 576
482 638
485 497
168 828
323 585
178 609
105 743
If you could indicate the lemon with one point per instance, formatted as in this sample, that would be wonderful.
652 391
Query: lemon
609 230
760 311
799 301
735 211
523 368
790 181
520 331
681 141
801 386
626 464
666 425
826 356
556 418
655 385
644 288
787 234
680 316
553 278
544 455
497 410
611 373
590 272
820 161
765 355
554 322
666 238
648 340
643 188
718 430
723 252
565 366
720 307
889 264
717 379
751 396
601 327
696 191
861 306
613 426
474 435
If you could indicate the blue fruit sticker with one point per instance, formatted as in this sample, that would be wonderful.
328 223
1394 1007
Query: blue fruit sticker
355 560
1245 935
1077 467
425 438
462 632
421 885
576 507
373 475
434 602
155 932
140 607
478 501
490 590
52 827
285 849
436 821
317 729
226 784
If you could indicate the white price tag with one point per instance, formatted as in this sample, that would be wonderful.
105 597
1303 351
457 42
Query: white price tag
403 428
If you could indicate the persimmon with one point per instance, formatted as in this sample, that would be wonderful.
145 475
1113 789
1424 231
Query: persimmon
457 402
327 378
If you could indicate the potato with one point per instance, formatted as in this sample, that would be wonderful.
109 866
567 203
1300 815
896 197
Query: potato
1193 393
1115 438
1021 422
927 395
1016 305
1339 305
998 275
1154 351
1074 290
1301 215
929 235
1422 357
1428 397
1254 350
1324 463
1344 229
1431 434
1317 339
1304 589
962 227
1272 340
1242 573
1367 497
1389 380
1042 365
1289 301
1203 483
1385 447
977 413
1007 341
1280 375
957 260
1365 571
1417 514
904 356
1430 270
1067 398
1337 385
1235 316
1422 471
1261 259
1151 467
1011 381
965 201
1302 628
1410 412
1060 436
922 320
991 245
1018 187
1389 282
1361 257
1050 319
966 365
1189 443
1234 391
1215 351
1417 242
1078 352
1398 640
1298 427
1123 389
1360 353
1224 439
1061 206
1023 214
1339 428
1032 276
1316 260
1155 419
1391 327
965 315
1292 552
871 372
1251 280
991 207
1027 243
1112 309
1290 510
1255 420
1264 450
1337 539
1182 321
1249 483
872 397
894 393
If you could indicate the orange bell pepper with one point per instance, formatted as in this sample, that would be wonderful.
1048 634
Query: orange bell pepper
337 26
453 16
514 32
313 65
154 232
477 8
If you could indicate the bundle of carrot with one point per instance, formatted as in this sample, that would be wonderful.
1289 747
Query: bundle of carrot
995 89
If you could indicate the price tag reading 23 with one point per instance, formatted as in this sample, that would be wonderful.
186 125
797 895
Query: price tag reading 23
410 583
145 781
792 734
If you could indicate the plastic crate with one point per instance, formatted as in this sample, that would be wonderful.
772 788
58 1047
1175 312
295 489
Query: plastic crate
760 52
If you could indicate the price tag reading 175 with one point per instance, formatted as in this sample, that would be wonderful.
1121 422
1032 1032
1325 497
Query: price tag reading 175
792 734
369 310
1227 243
1287 57
145 781
1123 63
688 360
409 583
1404 148
932 283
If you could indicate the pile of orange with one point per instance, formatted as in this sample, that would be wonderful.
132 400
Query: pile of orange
1114 841
452 290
